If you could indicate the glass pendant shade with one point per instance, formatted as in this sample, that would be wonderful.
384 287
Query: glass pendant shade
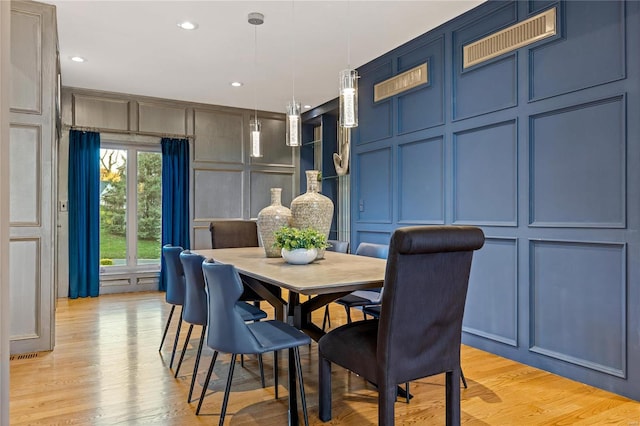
348 98
294 124
254 138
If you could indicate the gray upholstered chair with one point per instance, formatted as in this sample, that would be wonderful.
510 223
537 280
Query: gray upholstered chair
195 310
228 333
420 326
175 291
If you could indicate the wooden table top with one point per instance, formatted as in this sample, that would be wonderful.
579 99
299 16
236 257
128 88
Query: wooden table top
337 272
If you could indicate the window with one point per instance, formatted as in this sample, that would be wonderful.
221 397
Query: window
130 208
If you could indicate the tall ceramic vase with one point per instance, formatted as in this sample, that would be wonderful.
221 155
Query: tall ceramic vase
312 209
270 219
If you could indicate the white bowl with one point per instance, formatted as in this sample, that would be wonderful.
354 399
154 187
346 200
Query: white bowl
299 256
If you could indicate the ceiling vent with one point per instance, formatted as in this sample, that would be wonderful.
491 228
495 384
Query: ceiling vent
514 37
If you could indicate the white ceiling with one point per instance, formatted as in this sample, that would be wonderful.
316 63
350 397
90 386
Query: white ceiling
136 47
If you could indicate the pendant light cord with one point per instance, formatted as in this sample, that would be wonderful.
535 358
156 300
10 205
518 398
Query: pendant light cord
293 52
348 35
255 71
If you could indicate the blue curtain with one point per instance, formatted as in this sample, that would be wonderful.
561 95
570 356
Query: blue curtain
175 197
84 214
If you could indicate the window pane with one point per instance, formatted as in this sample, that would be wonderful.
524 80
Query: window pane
149 207
113 207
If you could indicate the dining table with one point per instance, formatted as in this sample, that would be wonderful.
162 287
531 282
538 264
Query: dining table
323 280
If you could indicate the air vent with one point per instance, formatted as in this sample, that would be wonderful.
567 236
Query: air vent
24 356
522 34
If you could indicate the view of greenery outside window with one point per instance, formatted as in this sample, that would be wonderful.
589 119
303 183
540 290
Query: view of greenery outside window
130 209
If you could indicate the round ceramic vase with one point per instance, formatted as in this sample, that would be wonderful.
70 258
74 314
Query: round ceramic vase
312 209
270 219
299 256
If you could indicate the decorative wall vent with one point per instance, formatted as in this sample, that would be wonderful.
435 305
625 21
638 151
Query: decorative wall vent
24 356
401 82
516 36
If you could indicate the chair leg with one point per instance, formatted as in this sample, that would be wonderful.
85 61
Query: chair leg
227 389
296 352
175 343
406 388
452 408
166 327
275 372
464 381
195 367
184 349
346 308
386 400
206 381
327 319
242 361
324 389
261 370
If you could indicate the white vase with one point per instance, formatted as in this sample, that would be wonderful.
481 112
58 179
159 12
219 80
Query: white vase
299 256
270 219
312 209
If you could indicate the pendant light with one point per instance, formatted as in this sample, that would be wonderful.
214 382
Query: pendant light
348 84
255 19
294 119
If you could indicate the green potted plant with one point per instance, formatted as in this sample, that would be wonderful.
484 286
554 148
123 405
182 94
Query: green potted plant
299 246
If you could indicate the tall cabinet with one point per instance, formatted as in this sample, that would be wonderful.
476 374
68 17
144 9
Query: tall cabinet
32 139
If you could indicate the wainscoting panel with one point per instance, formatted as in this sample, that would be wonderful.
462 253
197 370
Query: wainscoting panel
375 118
219 136
374 181
375 237
25 187
261 184
578 303
491 85
101 112
25 287
492 300
485 169
26 62
216 193
423 107
159 118
583 57
578 166
421 182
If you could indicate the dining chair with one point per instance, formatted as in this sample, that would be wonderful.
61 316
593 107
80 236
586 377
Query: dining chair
419 330
339 247
175 291
228 333
361 298
195 310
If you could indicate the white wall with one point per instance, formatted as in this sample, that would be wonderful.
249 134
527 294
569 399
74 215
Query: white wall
5 12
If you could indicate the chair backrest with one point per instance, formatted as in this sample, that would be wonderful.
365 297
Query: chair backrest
227 330
373 250
338 246
195 299
233 233
426 283
174 273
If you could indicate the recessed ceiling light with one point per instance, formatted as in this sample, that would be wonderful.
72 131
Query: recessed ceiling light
307 106
186 25
236 84
78 59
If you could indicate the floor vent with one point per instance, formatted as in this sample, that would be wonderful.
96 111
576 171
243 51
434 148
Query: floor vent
514 37
24 356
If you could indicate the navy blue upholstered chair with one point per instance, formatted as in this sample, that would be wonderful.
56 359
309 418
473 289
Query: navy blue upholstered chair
228 333
195 310
175 291
420 327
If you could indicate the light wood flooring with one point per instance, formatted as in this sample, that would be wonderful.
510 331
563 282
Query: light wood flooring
106 370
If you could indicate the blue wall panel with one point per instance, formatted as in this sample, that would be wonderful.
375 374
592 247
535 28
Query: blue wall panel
569 322
485 174
539 147
584 57
421 182
492 307
578 165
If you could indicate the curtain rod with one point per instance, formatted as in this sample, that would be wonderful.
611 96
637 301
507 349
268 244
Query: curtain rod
129 132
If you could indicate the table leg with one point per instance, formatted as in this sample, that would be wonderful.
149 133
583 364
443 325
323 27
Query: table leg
277 302
294 300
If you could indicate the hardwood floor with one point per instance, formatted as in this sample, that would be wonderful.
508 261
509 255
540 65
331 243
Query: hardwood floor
106 370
